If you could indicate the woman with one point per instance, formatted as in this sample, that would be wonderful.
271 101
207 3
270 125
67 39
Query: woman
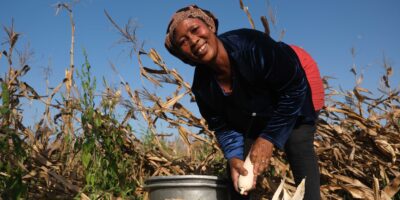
251 90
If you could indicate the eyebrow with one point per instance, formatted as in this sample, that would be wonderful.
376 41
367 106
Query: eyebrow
190 27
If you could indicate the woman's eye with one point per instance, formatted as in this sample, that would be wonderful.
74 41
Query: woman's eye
183 42
195 29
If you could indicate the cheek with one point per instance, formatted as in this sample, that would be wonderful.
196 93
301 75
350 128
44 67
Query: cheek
183 50
204 31
186 54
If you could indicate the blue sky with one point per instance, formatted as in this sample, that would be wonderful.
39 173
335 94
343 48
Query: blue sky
326 29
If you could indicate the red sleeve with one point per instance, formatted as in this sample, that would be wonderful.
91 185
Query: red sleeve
313 76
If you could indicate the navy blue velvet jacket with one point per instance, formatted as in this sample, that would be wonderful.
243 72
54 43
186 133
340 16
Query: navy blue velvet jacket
270 93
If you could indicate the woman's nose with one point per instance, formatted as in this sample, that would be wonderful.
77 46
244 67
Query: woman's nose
193 40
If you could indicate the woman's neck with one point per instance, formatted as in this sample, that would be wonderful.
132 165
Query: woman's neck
222 69
221 66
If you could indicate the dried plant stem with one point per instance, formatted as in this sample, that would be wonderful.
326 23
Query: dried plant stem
69 74
68 112
357 139
246 10
265 23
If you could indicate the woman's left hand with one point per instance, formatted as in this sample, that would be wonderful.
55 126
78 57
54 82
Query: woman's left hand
260 154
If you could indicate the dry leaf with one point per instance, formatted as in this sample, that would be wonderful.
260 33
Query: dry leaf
386 148
359 192
278 191
393 187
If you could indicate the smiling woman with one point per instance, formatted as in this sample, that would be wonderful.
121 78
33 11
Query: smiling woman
196 41
249 88
189 29
199 44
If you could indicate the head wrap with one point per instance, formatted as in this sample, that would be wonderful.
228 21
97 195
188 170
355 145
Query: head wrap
191 11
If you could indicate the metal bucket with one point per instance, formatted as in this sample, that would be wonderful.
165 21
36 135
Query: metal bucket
187 187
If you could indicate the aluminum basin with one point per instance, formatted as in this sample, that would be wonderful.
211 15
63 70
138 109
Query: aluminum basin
186 187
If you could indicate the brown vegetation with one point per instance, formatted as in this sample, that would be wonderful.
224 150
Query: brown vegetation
81 149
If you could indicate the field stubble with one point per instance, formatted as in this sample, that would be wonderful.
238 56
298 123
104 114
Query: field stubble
81 149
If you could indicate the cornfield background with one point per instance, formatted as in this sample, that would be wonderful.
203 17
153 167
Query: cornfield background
81 148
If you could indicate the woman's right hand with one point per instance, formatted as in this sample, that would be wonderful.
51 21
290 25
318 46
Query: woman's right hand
237 169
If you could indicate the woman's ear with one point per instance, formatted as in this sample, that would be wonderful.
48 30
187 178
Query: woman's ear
211 29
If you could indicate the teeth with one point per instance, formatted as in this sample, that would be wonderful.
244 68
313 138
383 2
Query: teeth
202 48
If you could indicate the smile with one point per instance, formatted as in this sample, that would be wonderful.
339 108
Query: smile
202 49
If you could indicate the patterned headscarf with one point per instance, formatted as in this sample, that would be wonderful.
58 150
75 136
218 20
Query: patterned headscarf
191 11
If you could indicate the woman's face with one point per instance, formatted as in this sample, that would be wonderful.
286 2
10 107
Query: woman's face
196 41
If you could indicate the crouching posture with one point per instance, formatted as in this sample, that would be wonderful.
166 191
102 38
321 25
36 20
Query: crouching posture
253 93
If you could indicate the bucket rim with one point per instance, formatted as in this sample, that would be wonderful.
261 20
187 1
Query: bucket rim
182 177
183 185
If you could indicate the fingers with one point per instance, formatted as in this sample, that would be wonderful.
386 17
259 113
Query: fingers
238 166
235 172
254 182
237 169
262 166
256 168
235 177
260 153
242 171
